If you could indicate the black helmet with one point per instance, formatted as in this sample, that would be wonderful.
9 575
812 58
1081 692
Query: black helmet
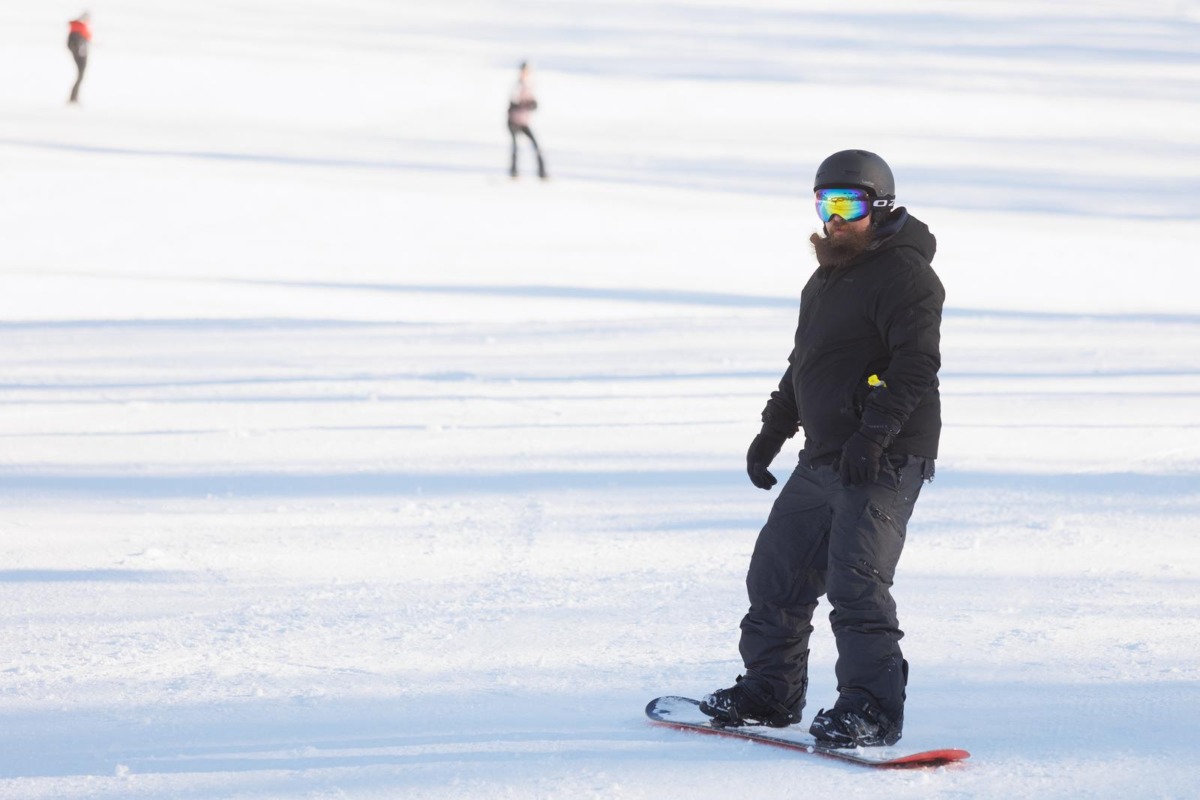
857 168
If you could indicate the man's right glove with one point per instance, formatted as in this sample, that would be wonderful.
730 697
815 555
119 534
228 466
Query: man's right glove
762 452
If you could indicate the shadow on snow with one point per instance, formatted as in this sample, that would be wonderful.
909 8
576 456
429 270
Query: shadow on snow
382 484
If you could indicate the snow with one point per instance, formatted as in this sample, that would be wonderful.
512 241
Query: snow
336 464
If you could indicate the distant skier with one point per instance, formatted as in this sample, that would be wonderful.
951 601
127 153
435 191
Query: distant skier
521 105
77 42
862 382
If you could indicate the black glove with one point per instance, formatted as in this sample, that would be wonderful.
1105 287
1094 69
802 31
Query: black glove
860 460
863 451
762 452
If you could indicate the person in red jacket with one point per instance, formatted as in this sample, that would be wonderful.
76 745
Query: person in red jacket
521 105
77 42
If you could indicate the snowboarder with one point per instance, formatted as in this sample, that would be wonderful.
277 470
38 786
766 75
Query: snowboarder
862 382
77 42
521 105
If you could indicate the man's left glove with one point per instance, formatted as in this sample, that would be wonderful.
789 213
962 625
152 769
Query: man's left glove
860 460
863 451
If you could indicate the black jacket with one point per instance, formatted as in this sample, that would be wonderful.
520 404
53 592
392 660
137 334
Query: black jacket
879 315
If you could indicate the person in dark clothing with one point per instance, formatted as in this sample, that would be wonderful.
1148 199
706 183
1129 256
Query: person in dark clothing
862 382
521 105
78 40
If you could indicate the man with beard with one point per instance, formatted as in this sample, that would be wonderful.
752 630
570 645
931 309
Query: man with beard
862 382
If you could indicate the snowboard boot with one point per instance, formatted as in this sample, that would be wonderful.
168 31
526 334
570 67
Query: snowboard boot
856 722
747 704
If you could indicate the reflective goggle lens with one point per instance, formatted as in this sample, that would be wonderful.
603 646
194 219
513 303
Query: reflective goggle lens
849 204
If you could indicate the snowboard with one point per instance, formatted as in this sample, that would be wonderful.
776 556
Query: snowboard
684 713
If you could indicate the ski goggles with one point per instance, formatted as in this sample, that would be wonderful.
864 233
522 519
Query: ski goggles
849 204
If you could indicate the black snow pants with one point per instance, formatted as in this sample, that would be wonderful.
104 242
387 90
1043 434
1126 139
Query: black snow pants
845 543
513 131
81 65
78 47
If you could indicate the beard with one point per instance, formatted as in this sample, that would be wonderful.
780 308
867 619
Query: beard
839 251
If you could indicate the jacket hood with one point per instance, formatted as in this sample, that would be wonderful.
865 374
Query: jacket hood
902 229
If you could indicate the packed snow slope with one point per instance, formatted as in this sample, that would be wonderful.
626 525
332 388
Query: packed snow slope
336 464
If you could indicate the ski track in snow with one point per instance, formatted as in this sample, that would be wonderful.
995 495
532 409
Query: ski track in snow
336 464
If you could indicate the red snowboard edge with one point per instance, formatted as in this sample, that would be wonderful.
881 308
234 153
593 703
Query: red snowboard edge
925 758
